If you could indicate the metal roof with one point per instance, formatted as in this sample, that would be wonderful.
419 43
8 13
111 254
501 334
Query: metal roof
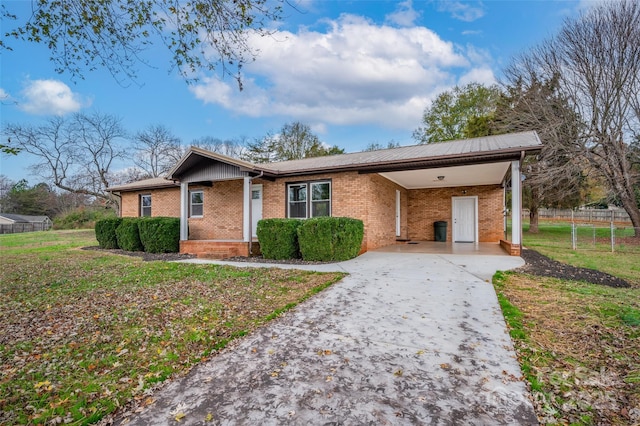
152 183
24 218
488 149
453 152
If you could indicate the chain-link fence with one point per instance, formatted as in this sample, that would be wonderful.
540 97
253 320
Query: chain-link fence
589 236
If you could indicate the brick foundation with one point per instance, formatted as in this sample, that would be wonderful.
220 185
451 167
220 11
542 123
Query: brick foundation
512 249
211 249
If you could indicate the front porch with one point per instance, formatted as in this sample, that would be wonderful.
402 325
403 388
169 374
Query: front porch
435 247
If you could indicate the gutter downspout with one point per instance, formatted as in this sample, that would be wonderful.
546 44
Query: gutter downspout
250 211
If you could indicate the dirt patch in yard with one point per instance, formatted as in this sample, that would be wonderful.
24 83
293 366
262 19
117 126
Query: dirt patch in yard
541 265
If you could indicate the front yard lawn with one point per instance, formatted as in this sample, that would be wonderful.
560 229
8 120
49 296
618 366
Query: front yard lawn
84 332
578 345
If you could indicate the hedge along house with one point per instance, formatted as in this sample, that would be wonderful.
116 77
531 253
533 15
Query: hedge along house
398 193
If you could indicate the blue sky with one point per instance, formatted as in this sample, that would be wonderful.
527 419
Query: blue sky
356 71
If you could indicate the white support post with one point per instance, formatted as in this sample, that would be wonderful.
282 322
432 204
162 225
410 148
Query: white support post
184 211
516 204
246 206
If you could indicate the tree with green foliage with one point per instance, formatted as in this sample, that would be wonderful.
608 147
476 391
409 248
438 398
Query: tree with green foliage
460 113
37 200
295 141
199 34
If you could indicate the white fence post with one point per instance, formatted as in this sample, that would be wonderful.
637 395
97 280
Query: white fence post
613 237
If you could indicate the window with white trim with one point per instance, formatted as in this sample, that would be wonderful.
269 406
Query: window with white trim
196 204
308 199
145 205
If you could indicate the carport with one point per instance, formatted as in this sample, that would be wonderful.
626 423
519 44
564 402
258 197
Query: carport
465 192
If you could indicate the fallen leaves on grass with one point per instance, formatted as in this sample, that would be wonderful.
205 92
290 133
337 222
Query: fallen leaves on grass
84 332
581 356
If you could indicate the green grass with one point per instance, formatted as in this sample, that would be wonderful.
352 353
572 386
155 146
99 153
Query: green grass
554 241
90 330
578 344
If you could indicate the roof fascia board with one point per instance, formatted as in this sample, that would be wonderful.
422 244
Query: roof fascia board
420 163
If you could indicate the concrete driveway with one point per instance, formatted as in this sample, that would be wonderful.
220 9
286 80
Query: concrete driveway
406 338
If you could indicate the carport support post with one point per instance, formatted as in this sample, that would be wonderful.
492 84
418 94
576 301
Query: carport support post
516 205
184 211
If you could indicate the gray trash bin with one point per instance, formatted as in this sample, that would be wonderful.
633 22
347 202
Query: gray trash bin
440 230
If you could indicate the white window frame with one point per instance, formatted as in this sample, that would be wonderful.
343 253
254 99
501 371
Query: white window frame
309 201
191 203
143 207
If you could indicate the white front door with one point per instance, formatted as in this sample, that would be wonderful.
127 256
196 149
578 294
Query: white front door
256 207
465 219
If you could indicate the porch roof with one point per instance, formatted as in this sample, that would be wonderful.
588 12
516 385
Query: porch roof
488 149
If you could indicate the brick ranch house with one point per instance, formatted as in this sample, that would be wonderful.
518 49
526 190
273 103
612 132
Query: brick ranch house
398 193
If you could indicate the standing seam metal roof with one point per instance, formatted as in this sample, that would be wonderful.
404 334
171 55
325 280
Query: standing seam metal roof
443 153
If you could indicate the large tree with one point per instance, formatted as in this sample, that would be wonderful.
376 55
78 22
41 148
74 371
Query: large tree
114 34
293 142
156 150
459 113
554 178
76 154
596 61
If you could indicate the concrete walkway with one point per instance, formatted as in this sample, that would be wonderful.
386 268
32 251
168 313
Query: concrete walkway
406 338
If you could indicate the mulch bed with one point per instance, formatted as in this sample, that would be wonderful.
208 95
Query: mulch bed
145 256
536 264
540 265
260 259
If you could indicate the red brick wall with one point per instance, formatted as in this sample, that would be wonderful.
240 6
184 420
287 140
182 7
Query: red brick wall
429 205
222 215
164 202
368 197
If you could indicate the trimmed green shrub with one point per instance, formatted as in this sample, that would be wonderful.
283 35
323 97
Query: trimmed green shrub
160 234
128 235
278 238
106 232
330 238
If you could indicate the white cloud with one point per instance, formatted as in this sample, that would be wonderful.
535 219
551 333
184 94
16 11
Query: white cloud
483 75
49 97
405 15
472 32
354 73
463 11
3 94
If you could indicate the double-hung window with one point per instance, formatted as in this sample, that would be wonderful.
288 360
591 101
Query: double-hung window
196 204
145 205
308 199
